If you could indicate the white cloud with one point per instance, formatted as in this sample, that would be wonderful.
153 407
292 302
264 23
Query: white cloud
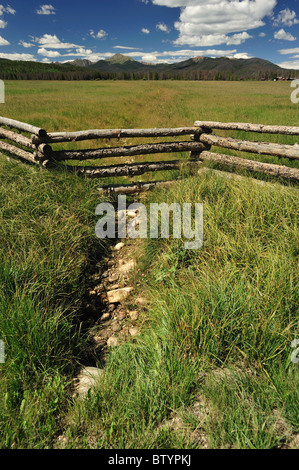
50 41
26 44
156 57
217 39
163 27
262 35
294 50
3 42
209 22
241 55
282 34
8 9
3 24
145 31
83 51
286 17
46 10
28 57
100 35
292 64
47 53
127 48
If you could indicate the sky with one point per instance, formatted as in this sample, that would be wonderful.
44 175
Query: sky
151 31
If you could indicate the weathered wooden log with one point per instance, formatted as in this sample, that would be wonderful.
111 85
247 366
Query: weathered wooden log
45 149
18 152
267 168
262 148
18 138
144 149
243 126
131 169
137 187
22 126
54 137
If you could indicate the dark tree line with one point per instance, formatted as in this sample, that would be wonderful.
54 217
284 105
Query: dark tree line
18 70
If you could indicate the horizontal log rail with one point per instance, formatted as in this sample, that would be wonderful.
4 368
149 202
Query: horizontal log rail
56 137
130 169
244 126
25 142
136 187
22 126
126 151
28 156
266 168
262 148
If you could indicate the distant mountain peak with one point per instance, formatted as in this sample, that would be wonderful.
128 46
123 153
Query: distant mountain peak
80 62
198 59
119 59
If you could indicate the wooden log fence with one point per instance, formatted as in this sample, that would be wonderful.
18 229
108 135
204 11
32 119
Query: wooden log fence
36 148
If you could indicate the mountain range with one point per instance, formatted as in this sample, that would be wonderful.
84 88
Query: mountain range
123 67
240 68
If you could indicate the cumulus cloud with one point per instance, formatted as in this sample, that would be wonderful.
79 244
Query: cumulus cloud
293 50
163 27
3 10
292 64
4 42
46 10
145 31
286 17
241 55
99 35
47 53
156 57
27 57
50 41
7 9
209 22
26 44
282 34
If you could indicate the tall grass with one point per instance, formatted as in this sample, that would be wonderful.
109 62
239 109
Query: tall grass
46 240
220 323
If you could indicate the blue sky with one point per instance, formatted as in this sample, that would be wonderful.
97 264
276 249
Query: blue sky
150 31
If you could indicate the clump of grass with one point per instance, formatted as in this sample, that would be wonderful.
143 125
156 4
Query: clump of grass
229 306
46 238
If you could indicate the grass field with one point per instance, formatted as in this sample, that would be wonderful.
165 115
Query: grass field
212 367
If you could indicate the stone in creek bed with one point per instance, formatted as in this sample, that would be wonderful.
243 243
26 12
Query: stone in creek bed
133 331
133 315
115 296
116 327
119 246
141 301
112 341
106 316
88 378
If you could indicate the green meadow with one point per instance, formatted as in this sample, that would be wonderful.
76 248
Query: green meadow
212 366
